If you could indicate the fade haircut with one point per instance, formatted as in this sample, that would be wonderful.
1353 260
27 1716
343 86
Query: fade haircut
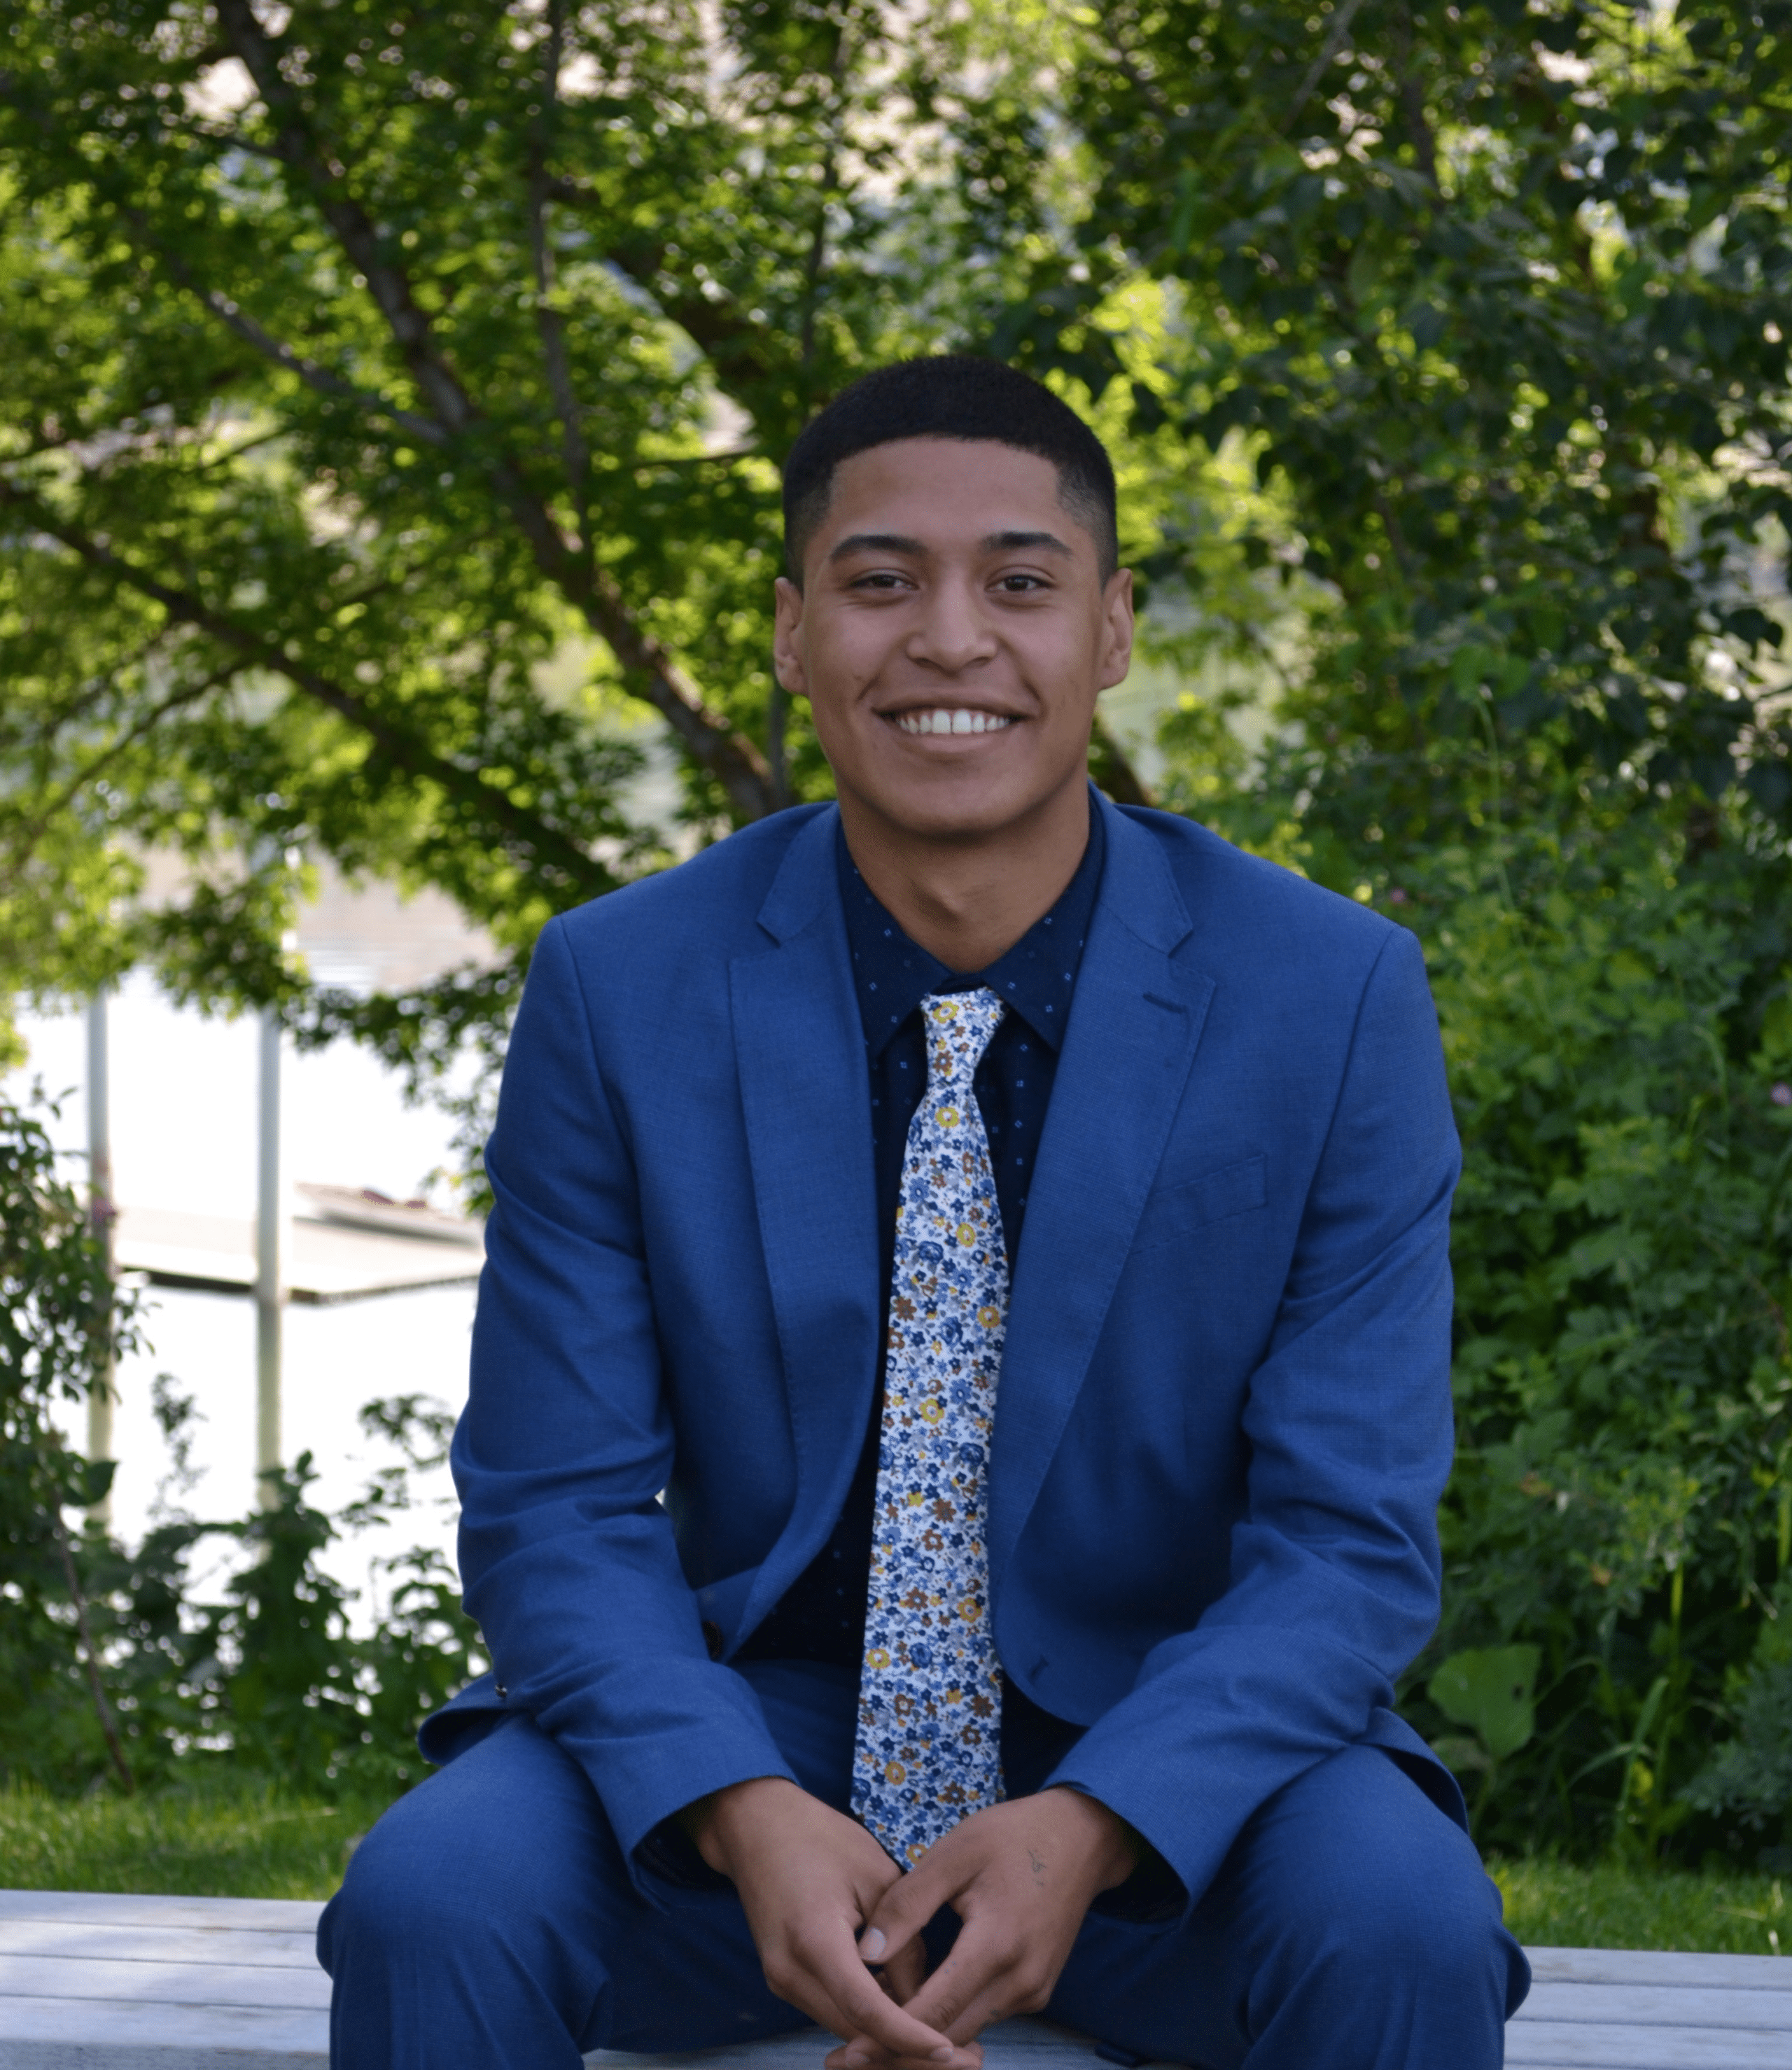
950 396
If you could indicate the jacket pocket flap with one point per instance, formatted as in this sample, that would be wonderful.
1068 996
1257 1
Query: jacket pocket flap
1178 1211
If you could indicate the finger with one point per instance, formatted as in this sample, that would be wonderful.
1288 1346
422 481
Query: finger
905 1972
866 2056
978 1982
865 2012
903 1910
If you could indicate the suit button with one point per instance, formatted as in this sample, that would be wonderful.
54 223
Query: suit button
713 1639
503 1694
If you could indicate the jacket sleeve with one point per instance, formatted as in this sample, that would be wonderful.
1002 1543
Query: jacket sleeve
1335 1567
567 1556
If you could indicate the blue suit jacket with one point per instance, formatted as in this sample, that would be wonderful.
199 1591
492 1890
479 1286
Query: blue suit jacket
1224 1418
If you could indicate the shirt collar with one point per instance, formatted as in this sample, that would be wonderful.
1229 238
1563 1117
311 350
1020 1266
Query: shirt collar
892 974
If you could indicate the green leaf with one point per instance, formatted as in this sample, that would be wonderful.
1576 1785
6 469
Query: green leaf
1493 1689
1461 1755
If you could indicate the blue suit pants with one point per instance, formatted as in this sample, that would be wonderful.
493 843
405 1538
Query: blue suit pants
488 1920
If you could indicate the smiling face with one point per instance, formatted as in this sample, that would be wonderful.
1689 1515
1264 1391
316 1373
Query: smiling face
951 635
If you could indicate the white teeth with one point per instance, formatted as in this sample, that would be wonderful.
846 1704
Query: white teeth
952 719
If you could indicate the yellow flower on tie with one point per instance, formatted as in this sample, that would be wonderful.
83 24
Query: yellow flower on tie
895 1772
877 1658
989 1317
967 1233
929 1412
945 1010
947 1117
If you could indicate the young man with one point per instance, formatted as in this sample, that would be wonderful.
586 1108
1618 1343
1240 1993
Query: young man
1013 1233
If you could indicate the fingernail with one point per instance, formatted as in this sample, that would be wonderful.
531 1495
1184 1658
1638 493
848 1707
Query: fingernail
855 2059
871 1947
941 2054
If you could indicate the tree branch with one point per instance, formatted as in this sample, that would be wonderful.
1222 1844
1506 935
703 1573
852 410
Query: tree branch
1112 770
734 759
576 455
144 724
1418 126
724 335
90 1657
321 378
1329 49
81 700
551 848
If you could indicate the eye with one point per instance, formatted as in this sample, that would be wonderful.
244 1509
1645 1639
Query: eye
883 579
1021 584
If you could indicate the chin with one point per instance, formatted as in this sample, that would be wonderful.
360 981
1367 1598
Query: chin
963 805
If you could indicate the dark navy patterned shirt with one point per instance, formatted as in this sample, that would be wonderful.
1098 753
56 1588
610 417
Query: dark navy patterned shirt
821 1616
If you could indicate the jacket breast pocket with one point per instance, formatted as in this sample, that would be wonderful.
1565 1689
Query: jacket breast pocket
1174 1212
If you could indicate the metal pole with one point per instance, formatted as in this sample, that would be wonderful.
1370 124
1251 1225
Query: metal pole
103 1214
270 1252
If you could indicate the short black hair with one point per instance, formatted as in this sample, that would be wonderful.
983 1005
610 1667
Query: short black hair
950 395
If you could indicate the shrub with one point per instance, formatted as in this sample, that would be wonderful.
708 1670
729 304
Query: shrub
106 1661
1619 1028
61 1324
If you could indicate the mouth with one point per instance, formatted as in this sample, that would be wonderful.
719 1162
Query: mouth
959 719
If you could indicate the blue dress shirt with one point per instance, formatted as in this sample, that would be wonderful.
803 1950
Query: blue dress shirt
821 1615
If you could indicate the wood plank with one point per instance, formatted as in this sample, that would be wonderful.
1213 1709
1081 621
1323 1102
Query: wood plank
71 1939
140 2056
282 2035
1654 1966
131 1982
1015 2044
208 1984
1571 2045
1668 2002
120 1908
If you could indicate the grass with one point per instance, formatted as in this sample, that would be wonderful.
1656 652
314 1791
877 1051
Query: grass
244 1842
255 1842
1555 1905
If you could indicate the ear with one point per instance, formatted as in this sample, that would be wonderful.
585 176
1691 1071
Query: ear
1117 626
787 638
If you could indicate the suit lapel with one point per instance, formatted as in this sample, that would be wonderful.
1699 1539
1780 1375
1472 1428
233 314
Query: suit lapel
1134 1026
800 1049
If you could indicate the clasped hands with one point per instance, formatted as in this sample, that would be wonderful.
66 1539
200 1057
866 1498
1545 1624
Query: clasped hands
828 1908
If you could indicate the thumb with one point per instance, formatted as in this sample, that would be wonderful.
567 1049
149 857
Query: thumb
904 1908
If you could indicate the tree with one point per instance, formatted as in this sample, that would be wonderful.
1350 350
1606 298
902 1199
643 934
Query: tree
1496 293
363 362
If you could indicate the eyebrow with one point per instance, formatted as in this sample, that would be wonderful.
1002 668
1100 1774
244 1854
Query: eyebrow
1008 542
995 542
877 542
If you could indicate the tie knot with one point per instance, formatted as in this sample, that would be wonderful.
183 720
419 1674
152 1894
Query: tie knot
959 1026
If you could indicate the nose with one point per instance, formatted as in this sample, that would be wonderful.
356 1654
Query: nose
954 633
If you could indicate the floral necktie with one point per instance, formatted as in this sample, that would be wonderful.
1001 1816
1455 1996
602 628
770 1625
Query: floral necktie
928 1750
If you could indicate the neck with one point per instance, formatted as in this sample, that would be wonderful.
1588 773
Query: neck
967 899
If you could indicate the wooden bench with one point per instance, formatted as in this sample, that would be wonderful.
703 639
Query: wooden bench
177 1983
